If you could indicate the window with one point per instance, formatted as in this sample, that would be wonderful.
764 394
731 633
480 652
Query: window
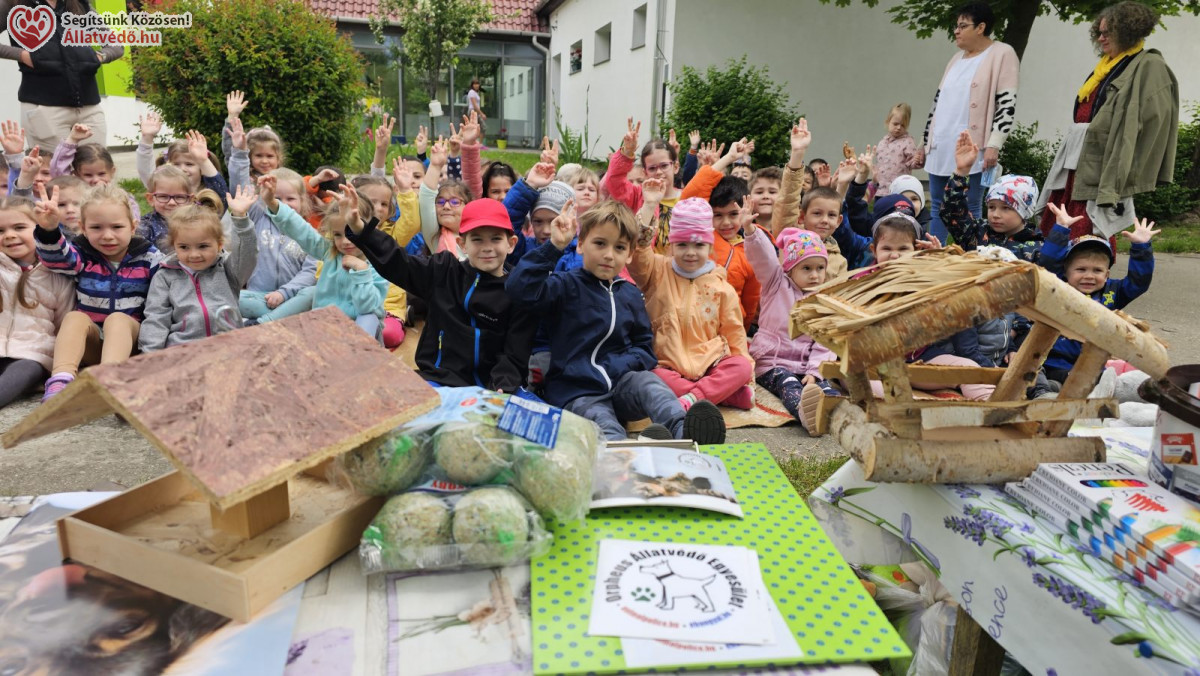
603 44
521 83
577 57
639 27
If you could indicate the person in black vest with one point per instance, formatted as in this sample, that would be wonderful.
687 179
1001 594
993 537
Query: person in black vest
58 83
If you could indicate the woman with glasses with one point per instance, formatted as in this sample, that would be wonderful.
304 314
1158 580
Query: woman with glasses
978 93
1126 121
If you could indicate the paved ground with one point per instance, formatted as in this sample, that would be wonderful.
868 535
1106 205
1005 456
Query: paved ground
110 451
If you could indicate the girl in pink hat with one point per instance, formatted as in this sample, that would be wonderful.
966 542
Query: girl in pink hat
697 318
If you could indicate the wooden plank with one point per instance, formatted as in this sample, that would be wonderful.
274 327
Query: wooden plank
897 392
260 512
999 433
935 414
1079 384
957 461
80 402
1022 371
928 375
974 652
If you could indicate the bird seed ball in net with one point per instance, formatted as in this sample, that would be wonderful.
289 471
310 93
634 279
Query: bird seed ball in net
472 453
387 465
491 526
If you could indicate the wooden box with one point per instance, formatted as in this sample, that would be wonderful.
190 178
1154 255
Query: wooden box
159 535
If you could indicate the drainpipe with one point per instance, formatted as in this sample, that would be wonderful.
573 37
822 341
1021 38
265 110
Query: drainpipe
548 101
660 64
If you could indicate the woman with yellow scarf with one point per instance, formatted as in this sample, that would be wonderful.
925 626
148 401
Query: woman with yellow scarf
1126 123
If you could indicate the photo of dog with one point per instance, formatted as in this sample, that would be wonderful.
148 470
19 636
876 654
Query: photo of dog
641 473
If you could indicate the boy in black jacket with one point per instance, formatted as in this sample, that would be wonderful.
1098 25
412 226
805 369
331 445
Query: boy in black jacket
474 334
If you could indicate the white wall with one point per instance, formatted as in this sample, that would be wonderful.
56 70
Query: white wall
844 67
620 87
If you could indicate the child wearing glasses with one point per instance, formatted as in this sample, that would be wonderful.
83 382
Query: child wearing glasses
441 205
658 161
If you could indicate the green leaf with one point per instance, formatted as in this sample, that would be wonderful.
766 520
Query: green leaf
857 491
1128 638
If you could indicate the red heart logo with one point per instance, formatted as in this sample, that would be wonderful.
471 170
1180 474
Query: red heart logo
31 27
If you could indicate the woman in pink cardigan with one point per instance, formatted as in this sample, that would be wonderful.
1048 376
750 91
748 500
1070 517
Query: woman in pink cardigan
978 93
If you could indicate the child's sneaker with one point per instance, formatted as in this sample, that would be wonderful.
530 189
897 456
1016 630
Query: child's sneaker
704 424
743 398
816 405
55 384
687 401
655 432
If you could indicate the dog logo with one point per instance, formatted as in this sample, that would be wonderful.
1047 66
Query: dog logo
675 586
31 27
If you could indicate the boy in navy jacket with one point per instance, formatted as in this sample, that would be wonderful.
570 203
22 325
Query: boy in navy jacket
1084 264
601 343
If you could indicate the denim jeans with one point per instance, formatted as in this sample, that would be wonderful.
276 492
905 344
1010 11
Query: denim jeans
937 193
636 395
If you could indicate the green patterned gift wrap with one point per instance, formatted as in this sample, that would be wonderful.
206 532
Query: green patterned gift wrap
823 603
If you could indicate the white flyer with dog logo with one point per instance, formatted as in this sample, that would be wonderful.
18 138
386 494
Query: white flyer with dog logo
705 593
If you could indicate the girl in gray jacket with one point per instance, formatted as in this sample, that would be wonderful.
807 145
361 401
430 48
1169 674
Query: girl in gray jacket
200 280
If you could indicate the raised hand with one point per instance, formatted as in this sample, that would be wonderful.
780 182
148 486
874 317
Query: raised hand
549 151
237 134
629 144
383 133
151 124
694 138
738 148
654 190
454 143
45 212
563 228
422 140
1143 231
673 142
746 216
470 129
1060 214
197 145
864 165
822 174
709 153
965 154
323 175
845 172
748 148
800 137
235 103
402 175
12 137
348 204
31 164
266 192
240 202
930 242
540 175
437 154
79 132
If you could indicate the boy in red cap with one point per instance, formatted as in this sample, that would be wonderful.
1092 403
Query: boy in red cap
474 334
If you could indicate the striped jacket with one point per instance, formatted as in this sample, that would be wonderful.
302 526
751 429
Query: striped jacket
100 288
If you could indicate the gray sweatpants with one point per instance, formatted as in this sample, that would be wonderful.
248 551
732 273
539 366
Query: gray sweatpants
636 395
18 376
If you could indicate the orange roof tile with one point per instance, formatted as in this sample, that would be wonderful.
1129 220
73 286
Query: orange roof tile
511 15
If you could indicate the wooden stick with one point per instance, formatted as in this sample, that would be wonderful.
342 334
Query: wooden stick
1022 371
935 414
972 462
849 425
1079 384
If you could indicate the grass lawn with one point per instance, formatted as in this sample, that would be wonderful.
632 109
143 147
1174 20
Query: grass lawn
806 474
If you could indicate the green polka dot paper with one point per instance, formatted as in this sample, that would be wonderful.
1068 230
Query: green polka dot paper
820 599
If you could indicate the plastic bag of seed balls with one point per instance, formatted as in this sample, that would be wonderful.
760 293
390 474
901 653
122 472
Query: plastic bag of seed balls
385 466
558 480
479 528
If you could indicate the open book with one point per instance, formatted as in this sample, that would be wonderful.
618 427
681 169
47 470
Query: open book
662 476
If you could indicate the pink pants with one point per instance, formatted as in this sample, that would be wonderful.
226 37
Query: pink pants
974 392
722 380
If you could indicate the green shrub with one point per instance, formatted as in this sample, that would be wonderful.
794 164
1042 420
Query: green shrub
300 76
740 100
1024 154
1173 200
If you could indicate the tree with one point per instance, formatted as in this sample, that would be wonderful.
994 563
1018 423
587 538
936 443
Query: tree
1014 18
740 100
434 32
300 76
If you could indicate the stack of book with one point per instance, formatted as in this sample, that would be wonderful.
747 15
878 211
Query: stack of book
1141 528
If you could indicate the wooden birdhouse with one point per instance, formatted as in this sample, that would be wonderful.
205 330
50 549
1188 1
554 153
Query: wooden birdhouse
248 418
873 320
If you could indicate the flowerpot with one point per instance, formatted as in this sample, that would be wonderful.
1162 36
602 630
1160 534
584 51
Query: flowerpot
501 143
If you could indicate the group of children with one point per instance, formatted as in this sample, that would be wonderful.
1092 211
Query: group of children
638 294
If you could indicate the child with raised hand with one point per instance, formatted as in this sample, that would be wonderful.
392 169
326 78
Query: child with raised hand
284 279
265 149
764 190
699 336
658 161
112 269
602 346
12 139
474 334
785 366
819 211
347 281
441 205
201 277
400 223
89 161
1084 264
33 302
1010 206
896 152
70 195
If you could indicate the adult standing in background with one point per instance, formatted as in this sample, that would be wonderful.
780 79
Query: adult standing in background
58 83
475 103
978 93
1126 124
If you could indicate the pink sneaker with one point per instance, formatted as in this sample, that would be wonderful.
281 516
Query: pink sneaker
743 398
55 384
